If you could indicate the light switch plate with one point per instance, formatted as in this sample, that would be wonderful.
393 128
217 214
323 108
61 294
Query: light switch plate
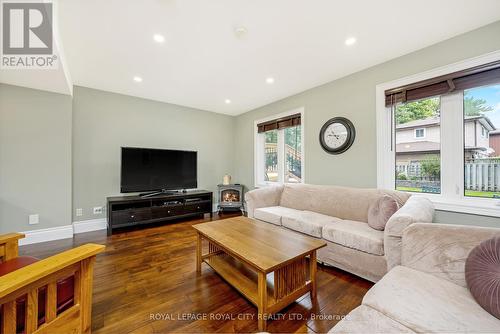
79 212
97 210
34 219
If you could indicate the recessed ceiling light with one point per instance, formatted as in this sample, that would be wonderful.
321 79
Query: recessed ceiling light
350 41
227 101
270 80
137 79
240 31
159 38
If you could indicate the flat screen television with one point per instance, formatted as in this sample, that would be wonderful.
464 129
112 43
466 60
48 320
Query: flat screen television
146 169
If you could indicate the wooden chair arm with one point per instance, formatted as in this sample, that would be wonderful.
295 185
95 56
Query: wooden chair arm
9 246
38 270
4 238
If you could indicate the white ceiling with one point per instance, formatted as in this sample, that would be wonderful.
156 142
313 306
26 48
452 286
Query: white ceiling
201 63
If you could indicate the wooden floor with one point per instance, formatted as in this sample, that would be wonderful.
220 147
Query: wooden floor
146 282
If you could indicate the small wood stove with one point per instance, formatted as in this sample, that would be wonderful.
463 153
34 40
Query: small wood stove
230 197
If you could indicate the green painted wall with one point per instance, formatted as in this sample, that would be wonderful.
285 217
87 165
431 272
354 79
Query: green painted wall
103 122
35 158
354 97
39 131
39 173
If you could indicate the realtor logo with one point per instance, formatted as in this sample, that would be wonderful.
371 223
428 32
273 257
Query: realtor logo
27 35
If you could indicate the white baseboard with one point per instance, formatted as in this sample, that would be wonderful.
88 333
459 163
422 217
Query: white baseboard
47 234
67 231
90 225
62 232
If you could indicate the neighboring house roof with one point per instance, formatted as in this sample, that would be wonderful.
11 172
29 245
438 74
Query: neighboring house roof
495 133
485 121
426 147
419 123
418 146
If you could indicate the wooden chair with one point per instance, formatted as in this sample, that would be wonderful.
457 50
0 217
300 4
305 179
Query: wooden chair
38 281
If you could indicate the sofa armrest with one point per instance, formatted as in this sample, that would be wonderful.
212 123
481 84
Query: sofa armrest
415 210
441 249
262 197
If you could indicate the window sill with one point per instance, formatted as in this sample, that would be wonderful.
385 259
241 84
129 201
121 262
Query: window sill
273 184
474 206
265 185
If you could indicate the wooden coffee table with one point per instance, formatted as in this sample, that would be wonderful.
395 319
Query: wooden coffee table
265 263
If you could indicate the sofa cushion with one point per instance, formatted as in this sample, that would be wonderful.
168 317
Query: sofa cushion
341 202
380 212
354 234
16 263
307 222
482 274
363 319
273 214
425 303
369 266
441 249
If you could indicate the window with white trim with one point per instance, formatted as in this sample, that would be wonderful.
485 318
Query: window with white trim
469 116
279 153
419 133
452 161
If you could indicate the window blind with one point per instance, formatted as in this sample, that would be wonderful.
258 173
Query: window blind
279 123
482 75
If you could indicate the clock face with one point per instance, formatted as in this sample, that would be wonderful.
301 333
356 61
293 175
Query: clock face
337 135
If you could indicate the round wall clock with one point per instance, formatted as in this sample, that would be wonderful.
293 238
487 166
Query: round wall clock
337 135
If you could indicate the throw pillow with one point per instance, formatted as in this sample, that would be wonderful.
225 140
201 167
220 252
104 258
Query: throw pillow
380 212
482 274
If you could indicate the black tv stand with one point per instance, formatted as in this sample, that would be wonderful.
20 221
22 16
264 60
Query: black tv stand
126 211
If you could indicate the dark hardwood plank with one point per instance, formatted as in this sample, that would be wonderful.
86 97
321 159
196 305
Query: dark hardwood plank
146 282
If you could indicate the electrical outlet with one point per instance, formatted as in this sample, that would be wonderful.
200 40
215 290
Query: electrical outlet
97 210
79 212
33 219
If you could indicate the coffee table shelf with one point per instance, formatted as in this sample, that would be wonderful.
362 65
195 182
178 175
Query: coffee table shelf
240 276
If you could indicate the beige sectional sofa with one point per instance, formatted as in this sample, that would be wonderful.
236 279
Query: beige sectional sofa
339 215
427 293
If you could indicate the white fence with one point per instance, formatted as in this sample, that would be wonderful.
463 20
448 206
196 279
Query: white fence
482 176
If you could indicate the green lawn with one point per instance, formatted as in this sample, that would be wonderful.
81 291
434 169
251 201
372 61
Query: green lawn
414 190
474 193
470 193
